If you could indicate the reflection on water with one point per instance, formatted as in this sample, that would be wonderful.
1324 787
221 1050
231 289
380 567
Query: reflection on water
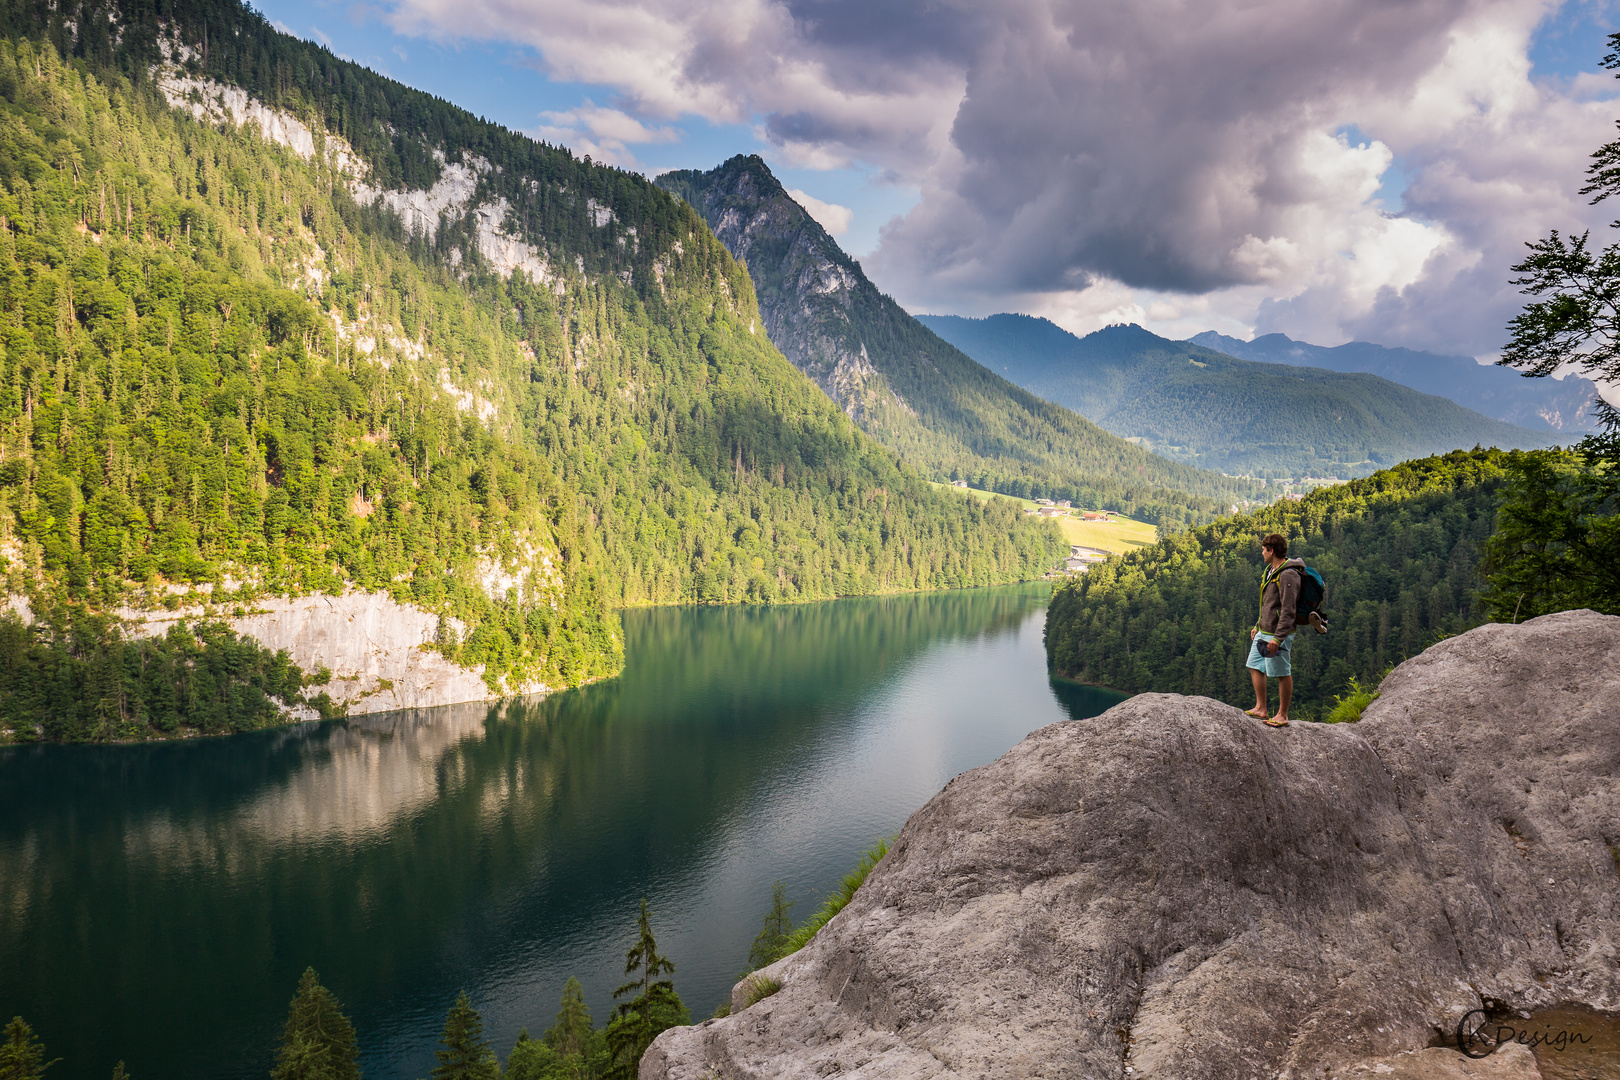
158 902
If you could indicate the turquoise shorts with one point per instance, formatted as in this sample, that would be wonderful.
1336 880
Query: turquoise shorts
1274 666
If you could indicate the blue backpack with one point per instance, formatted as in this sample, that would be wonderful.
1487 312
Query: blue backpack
1312 591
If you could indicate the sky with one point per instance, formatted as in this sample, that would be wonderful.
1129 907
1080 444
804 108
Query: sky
1333 170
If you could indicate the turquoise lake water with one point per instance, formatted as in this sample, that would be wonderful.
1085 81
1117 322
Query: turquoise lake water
158 902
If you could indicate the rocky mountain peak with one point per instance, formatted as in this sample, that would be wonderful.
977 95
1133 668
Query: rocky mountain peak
805 283
747 176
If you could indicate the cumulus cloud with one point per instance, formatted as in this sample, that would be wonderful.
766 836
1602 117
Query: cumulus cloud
1496 159
1090 160
832 217
830 81
1194 151
605 134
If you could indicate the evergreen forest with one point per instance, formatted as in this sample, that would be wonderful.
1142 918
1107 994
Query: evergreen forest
1401 552
225 374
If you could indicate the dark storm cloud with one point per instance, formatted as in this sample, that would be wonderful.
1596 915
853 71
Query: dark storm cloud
1072 148
1148 142
880 36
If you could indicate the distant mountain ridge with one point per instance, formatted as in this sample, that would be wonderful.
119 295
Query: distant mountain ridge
1563 405
917 394
1214 410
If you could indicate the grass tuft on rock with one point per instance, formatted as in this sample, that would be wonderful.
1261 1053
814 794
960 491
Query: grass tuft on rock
1347 708
835 903
759 987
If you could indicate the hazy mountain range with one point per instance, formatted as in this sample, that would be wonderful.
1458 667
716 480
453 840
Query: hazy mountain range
1562 405
1217 411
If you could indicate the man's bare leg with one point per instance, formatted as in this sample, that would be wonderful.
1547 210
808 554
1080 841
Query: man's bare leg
1285 693
1259 680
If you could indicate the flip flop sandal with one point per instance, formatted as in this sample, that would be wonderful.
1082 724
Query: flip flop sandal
1274 722
1256 715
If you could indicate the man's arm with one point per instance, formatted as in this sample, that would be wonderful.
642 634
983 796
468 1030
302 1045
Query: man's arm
1288 589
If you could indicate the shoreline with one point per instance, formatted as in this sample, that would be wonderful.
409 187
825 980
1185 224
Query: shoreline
8 738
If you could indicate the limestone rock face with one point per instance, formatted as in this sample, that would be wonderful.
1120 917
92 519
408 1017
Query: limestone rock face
372 644
1174 890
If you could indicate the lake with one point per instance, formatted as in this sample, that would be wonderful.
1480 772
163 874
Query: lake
158 902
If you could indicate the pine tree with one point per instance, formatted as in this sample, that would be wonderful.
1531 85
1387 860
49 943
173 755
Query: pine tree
318 1042
22 1057
119 1073
657 1007
1557 540
1558 544
773 936
466 1054
571 1034
531 1059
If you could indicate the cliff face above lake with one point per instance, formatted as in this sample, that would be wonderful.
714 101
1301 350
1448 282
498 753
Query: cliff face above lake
1174 890
379 652
563 405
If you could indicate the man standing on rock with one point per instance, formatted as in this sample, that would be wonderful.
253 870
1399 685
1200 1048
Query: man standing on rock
1272 639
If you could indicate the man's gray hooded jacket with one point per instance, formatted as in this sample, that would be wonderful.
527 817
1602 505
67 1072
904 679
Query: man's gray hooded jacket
1280 600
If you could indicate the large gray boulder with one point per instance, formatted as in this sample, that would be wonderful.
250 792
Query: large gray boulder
1174 890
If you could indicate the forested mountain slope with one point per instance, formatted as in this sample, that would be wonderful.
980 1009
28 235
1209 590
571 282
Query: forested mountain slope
1220 412
917 394
1562 405
271 324
1399 549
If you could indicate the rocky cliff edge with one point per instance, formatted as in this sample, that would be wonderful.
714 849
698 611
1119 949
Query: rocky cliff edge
1174 890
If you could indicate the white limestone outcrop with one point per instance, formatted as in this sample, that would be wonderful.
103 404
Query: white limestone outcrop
420 210
378 650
